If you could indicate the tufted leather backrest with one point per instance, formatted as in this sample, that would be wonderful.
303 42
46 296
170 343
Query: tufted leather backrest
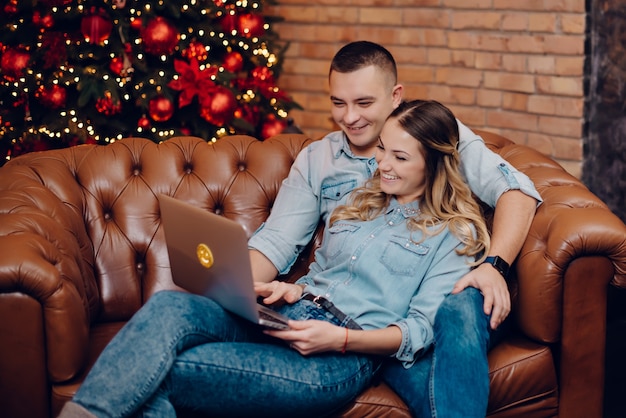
106 196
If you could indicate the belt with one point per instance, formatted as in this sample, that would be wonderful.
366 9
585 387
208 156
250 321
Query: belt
324 303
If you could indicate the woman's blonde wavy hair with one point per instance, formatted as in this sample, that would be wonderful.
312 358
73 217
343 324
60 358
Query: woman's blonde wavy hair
447 199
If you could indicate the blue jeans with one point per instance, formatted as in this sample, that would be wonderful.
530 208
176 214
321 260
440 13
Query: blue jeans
184 351
451 380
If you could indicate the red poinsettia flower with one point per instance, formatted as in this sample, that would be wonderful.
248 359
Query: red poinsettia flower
192 81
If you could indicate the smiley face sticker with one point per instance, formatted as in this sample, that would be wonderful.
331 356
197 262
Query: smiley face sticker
205 256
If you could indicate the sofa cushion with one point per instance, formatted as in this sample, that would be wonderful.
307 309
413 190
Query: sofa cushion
522 380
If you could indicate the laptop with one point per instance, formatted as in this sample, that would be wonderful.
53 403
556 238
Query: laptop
209 256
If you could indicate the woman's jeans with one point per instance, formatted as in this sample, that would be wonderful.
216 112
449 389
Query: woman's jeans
452 379
185 351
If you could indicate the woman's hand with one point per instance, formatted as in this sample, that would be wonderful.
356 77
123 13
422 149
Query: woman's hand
275 291
312 336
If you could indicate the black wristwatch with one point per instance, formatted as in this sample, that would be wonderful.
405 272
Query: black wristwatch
499 264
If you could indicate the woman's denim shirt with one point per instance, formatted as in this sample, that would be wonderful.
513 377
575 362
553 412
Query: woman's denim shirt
326 171
380 273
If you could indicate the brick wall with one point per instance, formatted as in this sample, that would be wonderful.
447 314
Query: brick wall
512 67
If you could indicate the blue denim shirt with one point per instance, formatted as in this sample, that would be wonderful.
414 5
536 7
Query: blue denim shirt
378 274
327 170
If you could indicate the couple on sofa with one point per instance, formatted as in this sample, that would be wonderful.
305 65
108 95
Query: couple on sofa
406 260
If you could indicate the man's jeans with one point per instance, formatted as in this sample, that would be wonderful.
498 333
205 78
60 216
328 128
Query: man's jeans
185 350
452 379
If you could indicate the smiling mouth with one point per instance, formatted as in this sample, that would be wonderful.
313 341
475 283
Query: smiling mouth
389 177
356 128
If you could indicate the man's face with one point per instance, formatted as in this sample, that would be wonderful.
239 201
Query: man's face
360 102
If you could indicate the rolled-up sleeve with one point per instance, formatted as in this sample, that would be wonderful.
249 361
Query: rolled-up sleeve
293 219
446 269
487 173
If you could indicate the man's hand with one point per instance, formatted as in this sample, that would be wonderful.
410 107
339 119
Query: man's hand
492 285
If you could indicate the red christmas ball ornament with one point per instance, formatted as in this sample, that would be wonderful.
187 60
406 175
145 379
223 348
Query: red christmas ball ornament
196 50
117 65
160 37
229 23
233 62
47 21
136 23
160 108
251 25
262 78
36 18
11 7
219 107
13 62
96 28
262 74
144 123
272 126
54 96
107 106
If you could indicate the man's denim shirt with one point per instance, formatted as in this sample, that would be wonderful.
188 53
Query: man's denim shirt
380 273
327 170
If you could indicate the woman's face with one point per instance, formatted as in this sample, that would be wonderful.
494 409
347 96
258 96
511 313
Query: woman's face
401 163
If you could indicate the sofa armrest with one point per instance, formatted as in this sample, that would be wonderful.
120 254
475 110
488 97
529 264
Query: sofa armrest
45 261
559 236
29 268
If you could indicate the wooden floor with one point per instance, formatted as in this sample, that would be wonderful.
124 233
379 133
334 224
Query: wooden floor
615 386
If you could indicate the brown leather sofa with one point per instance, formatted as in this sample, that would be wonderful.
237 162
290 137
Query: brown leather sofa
82 249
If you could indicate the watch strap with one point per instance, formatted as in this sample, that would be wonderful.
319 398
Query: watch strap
499 264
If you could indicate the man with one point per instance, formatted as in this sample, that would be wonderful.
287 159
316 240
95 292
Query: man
451 380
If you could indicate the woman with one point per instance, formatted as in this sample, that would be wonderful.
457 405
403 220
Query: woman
388 259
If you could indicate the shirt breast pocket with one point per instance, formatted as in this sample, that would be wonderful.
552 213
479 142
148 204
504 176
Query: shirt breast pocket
402 256
338 234
336 190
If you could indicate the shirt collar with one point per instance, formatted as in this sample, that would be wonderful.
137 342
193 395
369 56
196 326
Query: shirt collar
342 146
407 210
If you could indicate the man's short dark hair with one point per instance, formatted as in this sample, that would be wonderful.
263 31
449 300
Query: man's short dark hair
360 54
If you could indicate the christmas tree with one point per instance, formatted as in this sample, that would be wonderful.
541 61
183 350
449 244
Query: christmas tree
89 71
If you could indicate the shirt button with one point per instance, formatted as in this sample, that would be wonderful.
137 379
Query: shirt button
390 222
354 257
372 236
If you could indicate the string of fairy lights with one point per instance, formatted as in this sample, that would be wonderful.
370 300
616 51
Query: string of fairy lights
128 53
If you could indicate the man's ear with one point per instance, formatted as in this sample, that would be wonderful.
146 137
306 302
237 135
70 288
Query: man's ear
396 95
